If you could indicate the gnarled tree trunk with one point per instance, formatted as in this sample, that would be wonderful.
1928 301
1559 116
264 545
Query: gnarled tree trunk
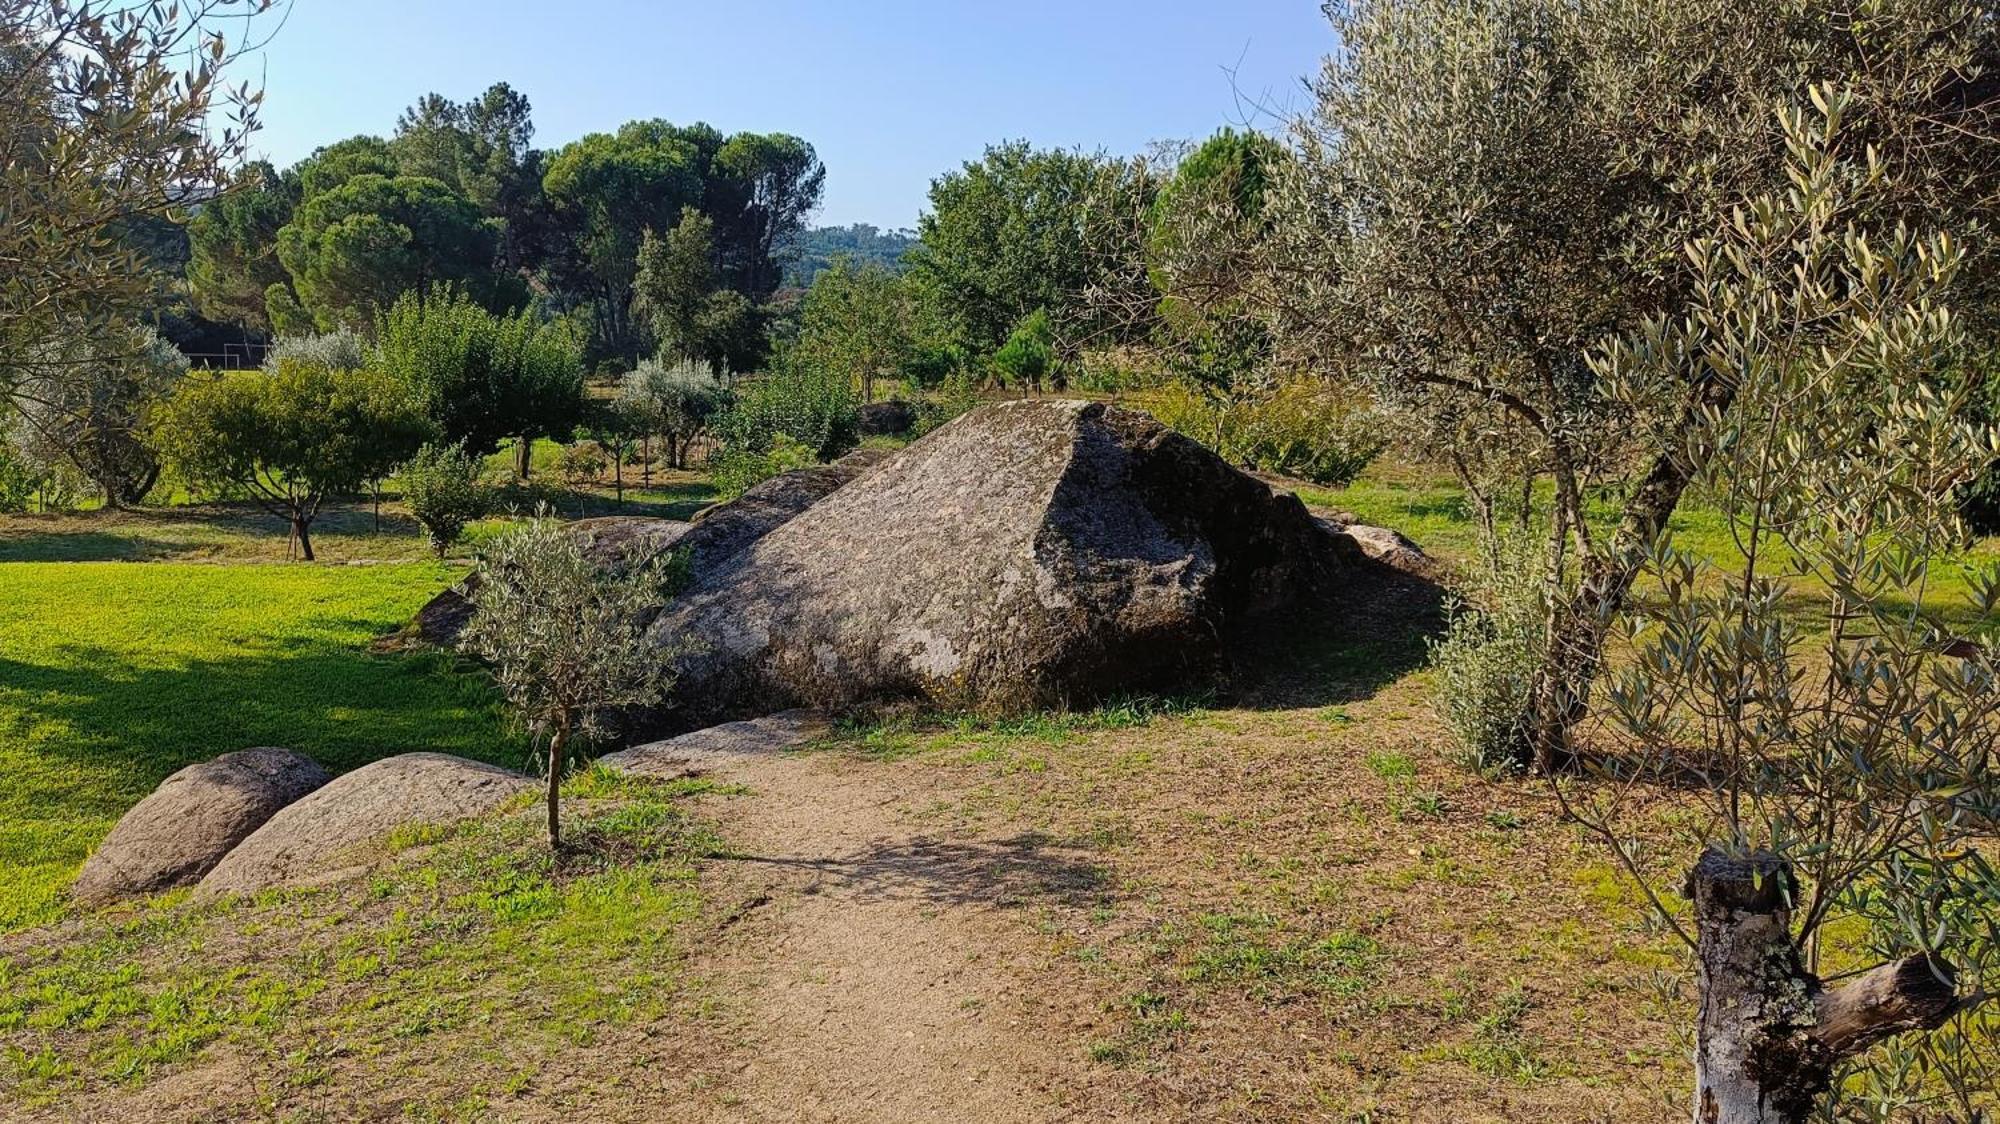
1770 1033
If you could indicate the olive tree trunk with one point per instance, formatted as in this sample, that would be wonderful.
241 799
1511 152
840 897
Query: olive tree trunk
1770 1032
558 757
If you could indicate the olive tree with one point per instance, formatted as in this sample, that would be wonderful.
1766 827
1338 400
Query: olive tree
110 114
290 437
1485 191
677 402
567 640
1841 756
88 397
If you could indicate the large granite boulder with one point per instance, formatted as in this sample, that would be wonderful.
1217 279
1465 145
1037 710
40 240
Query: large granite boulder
619 542
1030 553
181 831
725 530
326 835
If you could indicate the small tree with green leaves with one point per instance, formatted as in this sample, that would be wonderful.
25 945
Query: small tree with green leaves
290 437
567 641
445 488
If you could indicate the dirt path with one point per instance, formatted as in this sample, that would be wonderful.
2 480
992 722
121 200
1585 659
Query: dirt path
875 972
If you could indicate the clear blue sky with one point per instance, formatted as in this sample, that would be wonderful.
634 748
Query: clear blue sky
891 92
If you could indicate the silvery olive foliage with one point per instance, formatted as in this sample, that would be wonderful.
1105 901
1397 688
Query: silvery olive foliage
676 401
1483 192
1827 697
110 113
87 397
566 639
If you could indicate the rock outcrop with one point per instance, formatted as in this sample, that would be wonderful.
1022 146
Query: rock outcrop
1030 553
327 835
184 828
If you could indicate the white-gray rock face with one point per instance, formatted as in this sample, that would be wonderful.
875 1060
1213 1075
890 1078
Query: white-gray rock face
701 750
326 835
196 816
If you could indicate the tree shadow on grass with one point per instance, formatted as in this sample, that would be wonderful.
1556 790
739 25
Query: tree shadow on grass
1375 630
102 733
91 546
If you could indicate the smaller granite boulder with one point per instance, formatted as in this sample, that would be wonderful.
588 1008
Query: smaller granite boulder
885 419
699 751
325 836
181 831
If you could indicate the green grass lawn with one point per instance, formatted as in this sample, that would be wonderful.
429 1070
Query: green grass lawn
114 675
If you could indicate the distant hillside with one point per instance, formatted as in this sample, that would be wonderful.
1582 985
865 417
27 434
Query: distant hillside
819 246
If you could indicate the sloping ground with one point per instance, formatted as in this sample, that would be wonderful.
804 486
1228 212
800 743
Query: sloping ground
1289 909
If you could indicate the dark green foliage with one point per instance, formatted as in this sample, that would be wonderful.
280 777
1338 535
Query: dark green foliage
1007 235
1028 358
354 249
234 246
857 320
334 164
480 377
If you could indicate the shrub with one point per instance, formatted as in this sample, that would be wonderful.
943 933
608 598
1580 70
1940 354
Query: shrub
341 350
17 481
956 395
445 489
484 378
1028 357
88 400
582 464
1299 429
738 470
811 405
1484 665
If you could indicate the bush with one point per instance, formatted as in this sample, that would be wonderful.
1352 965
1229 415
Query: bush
1300 429
445 489
811 405
1028 357
484 378
582 464
1484 665
17 482
736 471
341 350
956 395
88 399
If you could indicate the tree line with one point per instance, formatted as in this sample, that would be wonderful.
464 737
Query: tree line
652 213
